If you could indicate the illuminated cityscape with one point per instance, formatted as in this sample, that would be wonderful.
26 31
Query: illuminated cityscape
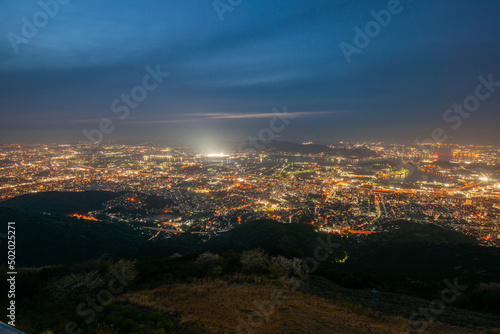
212 193
250 167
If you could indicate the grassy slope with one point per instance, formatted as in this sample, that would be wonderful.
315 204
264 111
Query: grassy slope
217 306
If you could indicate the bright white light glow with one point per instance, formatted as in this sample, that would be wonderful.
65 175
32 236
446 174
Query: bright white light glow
217 155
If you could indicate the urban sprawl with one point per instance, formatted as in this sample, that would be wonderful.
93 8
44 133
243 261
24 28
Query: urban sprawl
454 186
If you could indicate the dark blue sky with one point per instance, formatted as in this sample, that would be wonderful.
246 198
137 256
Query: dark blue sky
226 76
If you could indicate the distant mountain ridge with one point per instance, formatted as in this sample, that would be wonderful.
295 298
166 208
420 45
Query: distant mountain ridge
276 146
290 147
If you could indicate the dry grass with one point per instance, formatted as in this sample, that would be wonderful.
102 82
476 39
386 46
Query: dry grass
219 307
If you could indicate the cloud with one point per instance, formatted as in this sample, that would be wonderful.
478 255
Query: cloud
264 54
234 116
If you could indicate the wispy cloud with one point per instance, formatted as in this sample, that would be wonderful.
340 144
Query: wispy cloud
221 116
168 121
264 115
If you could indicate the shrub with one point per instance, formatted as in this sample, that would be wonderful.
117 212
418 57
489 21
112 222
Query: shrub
282 266
160 331
254 261
207 261
104 329
276 271
217 271
230 262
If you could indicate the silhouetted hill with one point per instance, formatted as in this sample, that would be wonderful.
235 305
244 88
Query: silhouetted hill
405 231
291 147
60 202
64 203
221 293
297 239
415 258
411 258
45 240
268 235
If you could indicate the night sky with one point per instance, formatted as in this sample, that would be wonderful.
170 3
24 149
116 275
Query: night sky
230 67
